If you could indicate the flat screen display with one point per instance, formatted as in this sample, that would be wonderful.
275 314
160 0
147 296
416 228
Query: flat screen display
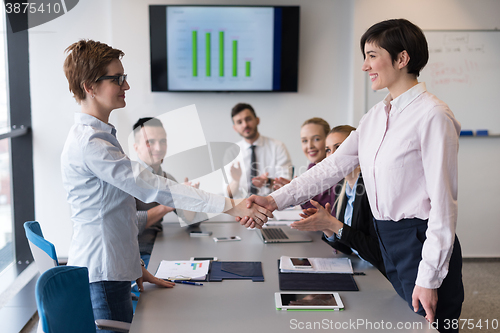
308 299
224 48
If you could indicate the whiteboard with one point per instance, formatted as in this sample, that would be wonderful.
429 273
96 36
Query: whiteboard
464 72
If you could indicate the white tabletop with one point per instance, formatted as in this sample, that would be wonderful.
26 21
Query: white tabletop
245 306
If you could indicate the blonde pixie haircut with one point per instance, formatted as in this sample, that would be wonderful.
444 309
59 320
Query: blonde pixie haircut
346 129
87 61
318 121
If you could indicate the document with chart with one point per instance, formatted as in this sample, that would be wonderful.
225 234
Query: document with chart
183 270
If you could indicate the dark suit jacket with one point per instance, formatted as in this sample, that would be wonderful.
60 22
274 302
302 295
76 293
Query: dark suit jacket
361 235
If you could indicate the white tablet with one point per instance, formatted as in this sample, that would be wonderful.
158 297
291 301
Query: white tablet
300 301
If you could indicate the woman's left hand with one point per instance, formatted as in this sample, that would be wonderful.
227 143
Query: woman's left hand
148 277
428 298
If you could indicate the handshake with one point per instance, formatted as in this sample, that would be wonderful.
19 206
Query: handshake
254 211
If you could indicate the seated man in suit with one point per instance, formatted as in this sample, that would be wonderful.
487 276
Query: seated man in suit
261 159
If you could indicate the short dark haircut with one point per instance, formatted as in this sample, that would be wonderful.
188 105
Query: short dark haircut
395 36
240 107
147 121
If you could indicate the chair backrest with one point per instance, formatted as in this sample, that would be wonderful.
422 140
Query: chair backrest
63 300
43 251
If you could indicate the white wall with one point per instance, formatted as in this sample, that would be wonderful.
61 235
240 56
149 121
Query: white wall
331 85
124 24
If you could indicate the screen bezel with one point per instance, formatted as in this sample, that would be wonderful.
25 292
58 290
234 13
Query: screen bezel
288 54
301 262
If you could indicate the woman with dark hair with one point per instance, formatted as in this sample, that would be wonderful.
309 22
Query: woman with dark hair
101 183
407 147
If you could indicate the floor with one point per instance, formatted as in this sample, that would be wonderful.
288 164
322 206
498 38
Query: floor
482 298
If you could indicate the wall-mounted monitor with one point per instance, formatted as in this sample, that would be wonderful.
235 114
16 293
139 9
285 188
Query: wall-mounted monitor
224 48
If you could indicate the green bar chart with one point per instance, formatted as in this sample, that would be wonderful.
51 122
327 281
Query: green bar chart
247 68
204 58
221 49
207 54
235 58
195 52
221 53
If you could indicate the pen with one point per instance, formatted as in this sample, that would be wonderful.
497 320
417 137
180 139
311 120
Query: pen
188 282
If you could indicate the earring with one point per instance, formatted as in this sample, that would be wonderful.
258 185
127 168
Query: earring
93 96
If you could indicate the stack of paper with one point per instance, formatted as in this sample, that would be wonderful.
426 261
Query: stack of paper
183 270
319 265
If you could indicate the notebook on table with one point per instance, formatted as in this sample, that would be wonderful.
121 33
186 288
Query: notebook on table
316 281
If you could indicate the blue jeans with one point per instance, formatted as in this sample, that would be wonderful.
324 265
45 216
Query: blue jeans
112 300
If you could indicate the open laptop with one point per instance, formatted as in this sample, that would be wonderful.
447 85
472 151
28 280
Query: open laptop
283 234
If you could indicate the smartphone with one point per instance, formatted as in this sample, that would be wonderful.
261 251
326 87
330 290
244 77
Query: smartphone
203 258
301 263
227 239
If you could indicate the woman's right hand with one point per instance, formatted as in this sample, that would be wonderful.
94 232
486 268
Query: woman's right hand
318 218
254 215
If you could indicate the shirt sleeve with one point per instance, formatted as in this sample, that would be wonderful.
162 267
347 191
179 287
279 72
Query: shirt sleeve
320 178
110 164
439 144
332 238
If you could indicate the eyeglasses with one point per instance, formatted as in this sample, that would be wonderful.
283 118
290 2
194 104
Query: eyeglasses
118 79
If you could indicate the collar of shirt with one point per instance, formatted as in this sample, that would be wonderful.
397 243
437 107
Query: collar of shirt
259 142
86 119
147 166
350 192
402 101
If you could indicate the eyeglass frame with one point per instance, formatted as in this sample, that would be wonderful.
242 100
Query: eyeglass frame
115 78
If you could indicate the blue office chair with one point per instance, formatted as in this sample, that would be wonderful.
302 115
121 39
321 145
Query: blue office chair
71 309
43 251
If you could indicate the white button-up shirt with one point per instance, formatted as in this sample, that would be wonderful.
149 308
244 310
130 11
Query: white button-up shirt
407 149
271 156
101 183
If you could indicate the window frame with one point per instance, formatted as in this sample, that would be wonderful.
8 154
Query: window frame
21 142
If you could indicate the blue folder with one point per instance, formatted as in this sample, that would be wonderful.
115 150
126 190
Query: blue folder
236 270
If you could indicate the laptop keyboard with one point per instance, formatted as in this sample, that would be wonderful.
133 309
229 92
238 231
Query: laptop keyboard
274 233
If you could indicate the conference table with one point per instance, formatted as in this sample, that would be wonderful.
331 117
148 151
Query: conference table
245 306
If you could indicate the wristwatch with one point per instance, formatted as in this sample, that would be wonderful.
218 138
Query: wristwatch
143 264
269 182
339 233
